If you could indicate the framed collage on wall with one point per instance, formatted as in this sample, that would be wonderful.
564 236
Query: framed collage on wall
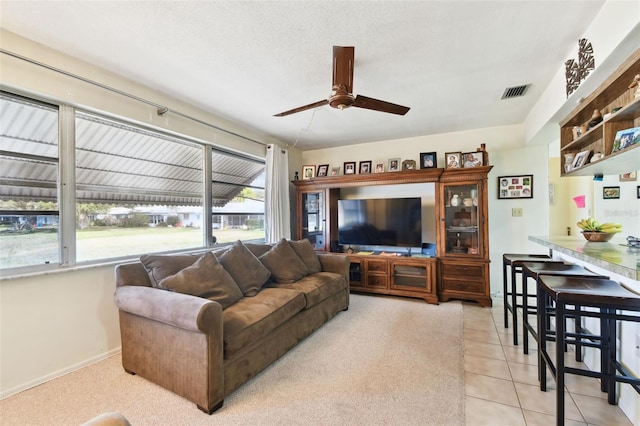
510 187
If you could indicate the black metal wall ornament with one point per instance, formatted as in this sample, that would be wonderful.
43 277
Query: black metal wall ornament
575 72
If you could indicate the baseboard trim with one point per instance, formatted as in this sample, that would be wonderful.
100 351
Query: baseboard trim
59 373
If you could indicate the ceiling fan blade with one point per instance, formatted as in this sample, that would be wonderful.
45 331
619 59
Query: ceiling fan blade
343 67
377 105
303 108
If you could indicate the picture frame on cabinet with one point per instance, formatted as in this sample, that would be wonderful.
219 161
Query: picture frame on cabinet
610 192
452 160
323 169
349 167
379 168
364 167
638 191
394 164
511 187
308 171
472 159
580 159
409 165
335 171
428 160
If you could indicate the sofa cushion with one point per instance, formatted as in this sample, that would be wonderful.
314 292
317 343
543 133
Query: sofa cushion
161 266
284 263
258 249
316 287
306 253
252 318
205 278
247 271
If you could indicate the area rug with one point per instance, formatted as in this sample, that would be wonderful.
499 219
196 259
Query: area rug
385 361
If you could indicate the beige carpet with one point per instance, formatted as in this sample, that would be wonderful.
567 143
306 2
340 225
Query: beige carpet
385 361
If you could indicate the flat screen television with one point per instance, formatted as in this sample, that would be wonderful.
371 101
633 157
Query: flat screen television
380 222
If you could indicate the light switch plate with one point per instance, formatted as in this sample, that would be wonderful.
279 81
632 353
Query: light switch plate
516 212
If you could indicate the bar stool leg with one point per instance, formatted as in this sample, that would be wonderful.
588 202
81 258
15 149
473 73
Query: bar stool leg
610 369
505 292
514 304
560 338
541 303
525 312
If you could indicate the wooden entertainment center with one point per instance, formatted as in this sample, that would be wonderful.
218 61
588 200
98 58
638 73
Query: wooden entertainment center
460 269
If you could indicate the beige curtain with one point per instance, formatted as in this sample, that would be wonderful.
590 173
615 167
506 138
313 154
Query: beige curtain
277 223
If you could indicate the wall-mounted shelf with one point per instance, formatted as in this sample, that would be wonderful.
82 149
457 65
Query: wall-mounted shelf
612 93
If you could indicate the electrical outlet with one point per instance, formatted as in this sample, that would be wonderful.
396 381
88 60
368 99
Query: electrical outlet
516 212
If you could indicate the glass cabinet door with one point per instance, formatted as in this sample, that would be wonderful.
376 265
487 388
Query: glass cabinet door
313 218
462 235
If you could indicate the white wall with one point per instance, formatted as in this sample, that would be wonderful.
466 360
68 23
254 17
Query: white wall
53 324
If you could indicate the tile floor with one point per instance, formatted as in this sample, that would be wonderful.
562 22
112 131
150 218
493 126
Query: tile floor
501 383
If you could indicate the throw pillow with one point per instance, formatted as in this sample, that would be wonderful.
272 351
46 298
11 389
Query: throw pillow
247 271
161 266
284 263
306 253
205 278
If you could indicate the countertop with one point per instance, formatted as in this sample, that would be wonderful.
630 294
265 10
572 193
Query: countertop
612 257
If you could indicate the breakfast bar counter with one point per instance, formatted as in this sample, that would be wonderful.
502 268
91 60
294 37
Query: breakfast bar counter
612 257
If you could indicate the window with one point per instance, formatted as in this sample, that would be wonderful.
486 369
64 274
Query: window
29 218
137 191
80 187
238 198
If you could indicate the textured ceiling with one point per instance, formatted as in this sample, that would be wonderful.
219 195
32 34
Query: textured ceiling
450 61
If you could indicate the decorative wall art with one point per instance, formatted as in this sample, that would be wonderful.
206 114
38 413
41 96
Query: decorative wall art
510 187
576 71
629 177
611 192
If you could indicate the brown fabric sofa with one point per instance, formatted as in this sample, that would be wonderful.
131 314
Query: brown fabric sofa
205 348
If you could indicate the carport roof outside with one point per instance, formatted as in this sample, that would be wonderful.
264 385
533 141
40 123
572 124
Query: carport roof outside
115 163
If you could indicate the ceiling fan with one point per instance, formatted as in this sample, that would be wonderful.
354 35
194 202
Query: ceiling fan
342 96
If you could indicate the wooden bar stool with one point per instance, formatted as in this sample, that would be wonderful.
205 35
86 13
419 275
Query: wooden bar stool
565 296
513 262
534 270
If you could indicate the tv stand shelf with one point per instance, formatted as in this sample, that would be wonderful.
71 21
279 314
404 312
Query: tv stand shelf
460 240
394 275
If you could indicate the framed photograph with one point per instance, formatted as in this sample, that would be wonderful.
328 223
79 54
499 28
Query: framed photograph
452 160
428 160
312 203
394 164
350 168
308 172
625 138
379 168
472 159
611 192
580 159
510 187
335 171
323 169
364 167
409 165
638 191
629 177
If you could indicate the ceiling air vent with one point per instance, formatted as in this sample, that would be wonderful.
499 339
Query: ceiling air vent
514 92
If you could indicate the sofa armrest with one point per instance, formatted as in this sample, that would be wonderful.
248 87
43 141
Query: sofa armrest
180 310
335 263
